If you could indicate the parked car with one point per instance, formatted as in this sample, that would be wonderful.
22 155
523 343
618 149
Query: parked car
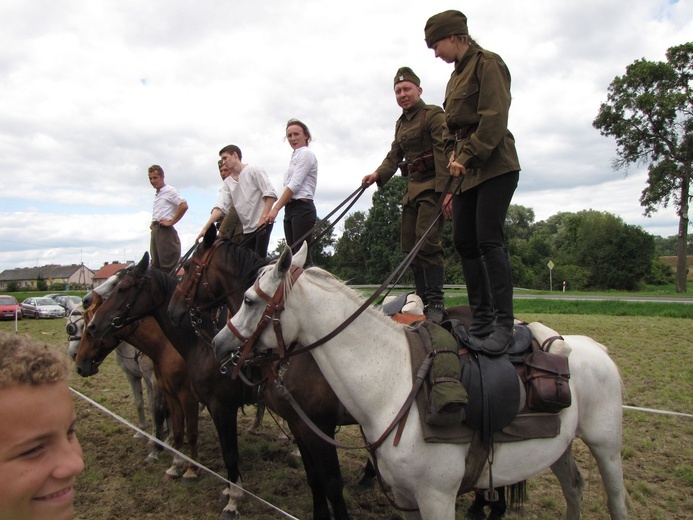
63 299
8 307
52 296
42 307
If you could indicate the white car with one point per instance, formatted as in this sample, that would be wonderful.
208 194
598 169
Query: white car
41 307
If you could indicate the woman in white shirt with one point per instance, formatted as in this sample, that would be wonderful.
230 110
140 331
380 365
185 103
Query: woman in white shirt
300 181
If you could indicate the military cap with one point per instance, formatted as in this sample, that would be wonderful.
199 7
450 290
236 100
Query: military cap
406 74
442 25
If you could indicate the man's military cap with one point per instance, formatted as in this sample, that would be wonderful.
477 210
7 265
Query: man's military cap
406 74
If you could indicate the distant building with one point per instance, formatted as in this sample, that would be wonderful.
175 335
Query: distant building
57 277
107 271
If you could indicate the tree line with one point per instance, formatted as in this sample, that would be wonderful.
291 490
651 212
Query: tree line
590 250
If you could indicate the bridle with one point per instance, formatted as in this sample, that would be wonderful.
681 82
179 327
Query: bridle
125 318
199 274
274 308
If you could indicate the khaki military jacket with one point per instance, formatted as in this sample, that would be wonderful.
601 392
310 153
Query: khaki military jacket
411 142
477 102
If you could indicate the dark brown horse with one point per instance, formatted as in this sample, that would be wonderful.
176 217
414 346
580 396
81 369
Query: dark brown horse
145 292
212 278
169 368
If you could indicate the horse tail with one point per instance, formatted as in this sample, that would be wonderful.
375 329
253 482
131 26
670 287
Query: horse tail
516 494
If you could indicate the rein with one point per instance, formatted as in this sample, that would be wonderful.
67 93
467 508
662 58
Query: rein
356 194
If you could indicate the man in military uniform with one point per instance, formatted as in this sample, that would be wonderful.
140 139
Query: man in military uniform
418 150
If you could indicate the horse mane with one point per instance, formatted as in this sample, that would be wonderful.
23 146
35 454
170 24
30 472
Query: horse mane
247 261
166 283
330 282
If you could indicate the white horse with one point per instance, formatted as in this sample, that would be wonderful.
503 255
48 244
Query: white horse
368 366
136 367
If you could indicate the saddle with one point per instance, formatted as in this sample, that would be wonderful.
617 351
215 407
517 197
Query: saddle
523 381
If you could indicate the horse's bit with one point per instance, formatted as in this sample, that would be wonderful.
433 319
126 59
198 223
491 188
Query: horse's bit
275 306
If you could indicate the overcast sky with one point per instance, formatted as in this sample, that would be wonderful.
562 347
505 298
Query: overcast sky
92 93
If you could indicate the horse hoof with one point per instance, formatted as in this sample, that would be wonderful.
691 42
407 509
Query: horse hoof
190 478
229 515
171 474
151 458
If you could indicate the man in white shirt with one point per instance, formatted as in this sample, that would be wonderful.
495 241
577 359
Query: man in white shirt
169 208
248 190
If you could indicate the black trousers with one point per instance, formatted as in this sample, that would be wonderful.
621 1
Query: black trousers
299 217
258 241
478 215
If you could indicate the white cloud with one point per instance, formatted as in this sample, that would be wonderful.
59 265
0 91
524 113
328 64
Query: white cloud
93 93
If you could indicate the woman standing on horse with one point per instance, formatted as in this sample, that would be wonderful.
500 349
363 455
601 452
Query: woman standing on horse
481 150
300 181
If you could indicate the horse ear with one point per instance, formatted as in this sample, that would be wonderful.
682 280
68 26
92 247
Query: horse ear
144 263
300 257
210 236
284 262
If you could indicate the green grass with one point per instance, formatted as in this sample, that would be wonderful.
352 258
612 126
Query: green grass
654 355
599 308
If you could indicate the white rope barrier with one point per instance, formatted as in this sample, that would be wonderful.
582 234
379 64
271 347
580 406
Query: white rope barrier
652 410
182 455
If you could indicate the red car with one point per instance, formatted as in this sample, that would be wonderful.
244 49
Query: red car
8 306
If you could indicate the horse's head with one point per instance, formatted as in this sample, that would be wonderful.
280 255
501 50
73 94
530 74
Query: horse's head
134 296
218 272
74 328
92 349
262 304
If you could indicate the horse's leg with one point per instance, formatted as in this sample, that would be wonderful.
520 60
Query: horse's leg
190 407
321 510
259 415
608 457
161 416
176 469
136 386
225 420
600 419
571 482
368 478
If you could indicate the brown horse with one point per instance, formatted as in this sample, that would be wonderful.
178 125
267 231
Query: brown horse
169 368
212 278
143 292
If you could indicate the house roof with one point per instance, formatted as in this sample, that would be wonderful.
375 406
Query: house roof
109 270
45 272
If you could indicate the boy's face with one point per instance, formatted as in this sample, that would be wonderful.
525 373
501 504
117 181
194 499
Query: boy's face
156 180
40 456
229 160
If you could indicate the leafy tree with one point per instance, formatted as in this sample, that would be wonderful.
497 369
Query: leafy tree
349 252
649 111
41 284
382 230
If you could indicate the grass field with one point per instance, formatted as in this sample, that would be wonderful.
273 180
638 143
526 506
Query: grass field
654 354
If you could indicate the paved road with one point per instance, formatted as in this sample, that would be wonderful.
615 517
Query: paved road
460 290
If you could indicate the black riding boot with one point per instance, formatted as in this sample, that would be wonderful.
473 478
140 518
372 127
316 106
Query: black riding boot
479 293
420 284
435 300
501 282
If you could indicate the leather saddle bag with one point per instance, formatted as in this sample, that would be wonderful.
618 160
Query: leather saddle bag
547 377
